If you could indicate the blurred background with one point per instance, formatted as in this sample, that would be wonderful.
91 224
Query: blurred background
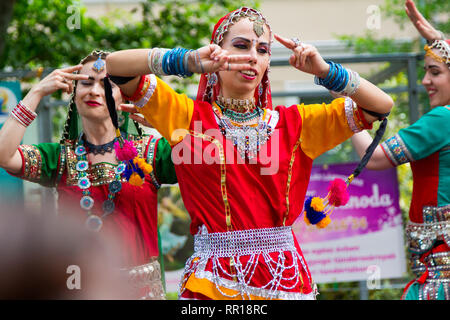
373 37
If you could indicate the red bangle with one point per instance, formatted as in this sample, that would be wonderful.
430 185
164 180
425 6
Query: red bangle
137 95
363 119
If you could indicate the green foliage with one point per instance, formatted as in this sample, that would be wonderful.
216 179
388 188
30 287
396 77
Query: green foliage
41 33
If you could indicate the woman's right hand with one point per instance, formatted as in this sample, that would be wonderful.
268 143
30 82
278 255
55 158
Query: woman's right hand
213 58
59 79
425 29
134 114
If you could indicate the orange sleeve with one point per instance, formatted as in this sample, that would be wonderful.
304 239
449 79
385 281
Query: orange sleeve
325 126
164 108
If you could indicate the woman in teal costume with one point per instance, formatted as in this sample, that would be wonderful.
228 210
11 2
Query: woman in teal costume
426 145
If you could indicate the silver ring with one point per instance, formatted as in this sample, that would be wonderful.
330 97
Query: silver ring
297 42
228 69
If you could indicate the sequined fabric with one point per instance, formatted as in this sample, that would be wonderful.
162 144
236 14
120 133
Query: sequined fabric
254 244
436 226
147 279
422 238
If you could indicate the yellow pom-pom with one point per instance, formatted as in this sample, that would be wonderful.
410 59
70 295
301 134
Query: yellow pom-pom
317 204
135 180
143 165
305 218
324 222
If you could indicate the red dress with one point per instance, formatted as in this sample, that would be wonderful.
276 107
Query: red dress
242 211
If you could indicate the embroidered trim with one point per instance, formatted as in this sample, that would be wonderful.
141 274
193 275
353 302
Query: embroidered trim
395 149
223 174
32 165
99 173
288 183
150 160
350 108
149 88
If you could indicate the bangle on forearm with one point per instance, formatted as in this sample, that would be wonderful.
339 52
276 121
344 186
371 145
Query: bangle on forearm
23 114
155 58
174 62
340 80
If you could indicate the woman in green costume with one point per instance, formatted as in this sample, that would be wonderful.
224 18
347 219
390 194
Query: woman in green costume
85 170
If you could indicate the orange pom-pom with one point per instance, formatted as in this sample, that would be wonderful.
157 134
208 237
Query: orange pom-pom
324 222
135 180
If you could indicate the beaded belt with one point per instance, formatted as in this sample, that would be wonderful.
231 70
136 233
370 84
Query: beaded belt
436 226
244 242
147 279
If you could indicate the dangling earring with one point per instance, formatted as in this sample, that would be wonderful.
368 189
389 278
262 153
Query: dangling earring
212 79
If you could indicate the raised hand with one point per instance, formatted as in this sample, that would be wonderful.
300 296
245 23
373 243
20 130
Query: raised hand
425 29
213 58
59 79
305 57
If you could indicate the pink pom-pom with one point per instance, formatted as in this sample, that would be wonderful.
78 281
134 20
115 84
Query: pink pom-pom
338 194
127 152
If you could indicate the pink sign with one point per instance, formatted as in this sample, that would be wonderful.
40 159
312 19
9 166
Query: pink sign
365 237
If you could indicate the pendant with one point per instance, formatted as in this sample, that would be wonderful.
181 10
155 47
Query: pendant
84 183
94 223
121 168
82 165
108 207
80 150
99 65
87 202
115 186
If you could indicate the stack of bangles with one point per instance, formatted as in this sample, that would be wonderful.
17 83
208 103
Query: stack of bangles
23 114
340 80
168 62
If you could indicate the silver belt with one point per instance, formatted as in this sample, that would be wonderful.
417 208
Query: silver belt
147 278
243 242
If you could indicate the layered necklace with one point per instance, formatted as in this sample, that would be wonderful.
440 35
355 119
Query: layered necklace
236 120
94 222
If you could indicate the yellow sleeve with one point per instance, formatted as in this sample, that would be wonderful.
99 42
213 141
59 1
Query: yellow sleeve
164 108
325 126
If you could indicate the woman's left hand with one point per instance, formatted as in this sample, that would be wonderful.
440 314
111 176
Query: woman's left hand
305 57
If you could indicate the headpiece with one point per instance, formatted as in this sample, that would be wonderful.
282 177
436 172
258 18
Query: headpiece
443 46
209 88
122 123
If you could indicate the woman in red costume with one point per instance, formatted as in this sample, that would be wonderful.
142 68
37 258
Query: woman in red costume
85 170
243 166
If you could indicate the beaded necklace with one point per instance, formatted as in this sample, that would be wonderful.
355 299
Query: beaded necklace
94 222
248 139
240 117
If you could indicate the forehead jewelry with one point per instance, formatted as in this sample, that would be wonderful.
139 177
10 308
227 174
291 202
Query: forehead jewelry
258 25
99 65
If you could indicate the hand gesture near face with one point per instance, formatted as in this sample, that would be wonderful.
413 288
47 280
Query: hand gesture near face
305 57
60 79
213 58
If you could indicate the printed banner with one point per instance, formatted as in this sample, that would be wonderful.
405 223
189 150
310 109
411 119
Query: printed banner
365 238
